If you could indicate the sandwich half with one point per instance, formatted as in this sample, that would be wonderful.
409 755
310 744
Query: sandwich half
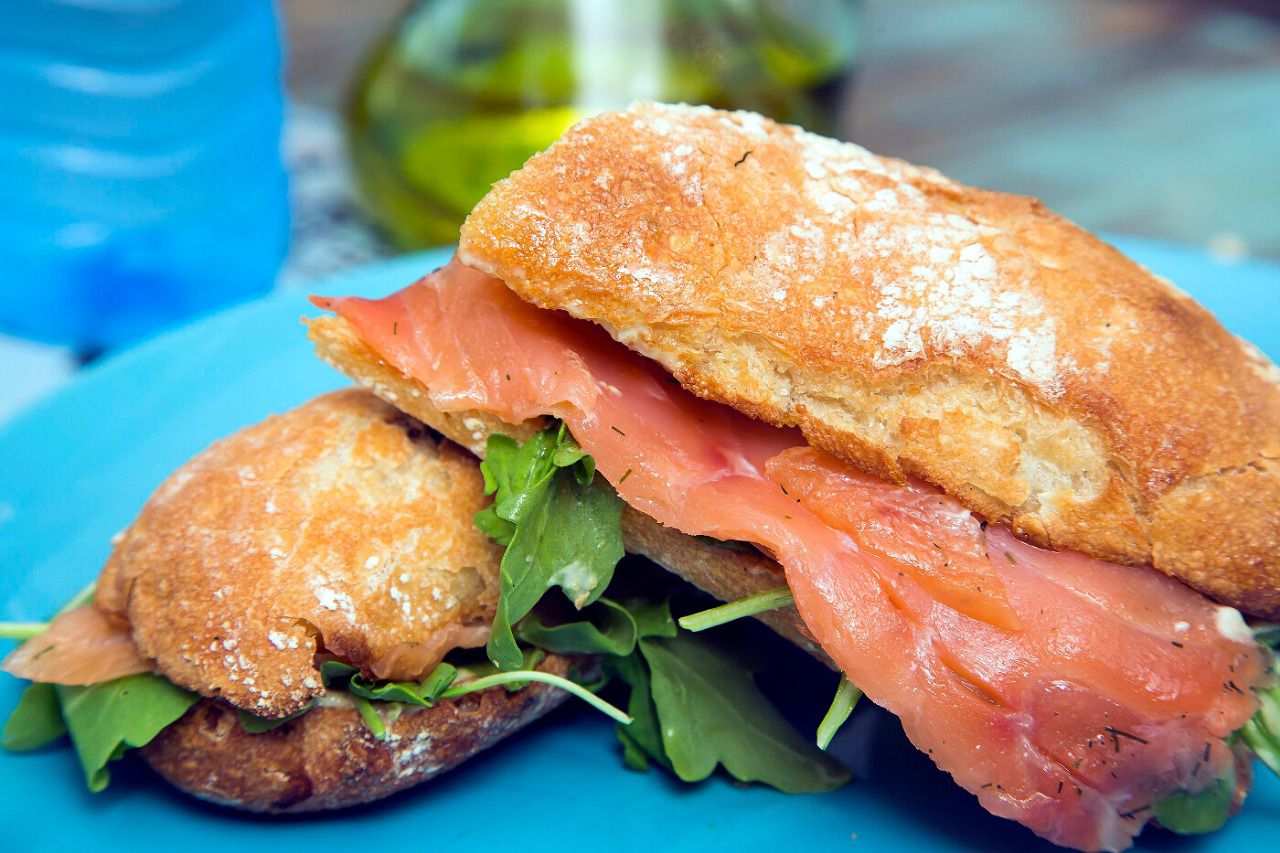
268 591
293 622
1019 489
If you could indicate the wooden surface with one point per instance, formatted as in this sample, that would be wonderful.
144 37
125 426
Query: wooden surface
1151 117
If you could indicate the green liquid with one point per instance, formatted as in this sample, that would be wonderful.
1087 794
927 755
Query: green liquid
460 93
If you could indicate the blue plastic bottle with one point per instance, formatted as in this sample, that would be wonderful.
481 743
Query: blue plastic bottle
140 173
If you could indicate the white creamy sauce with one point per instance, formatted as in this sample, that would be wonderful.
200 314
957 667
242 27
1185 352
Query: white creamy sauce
1232 625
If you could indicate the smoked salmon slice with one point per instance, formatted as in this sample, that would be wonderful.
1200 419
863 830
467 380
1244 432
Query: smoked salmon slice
82 646
1067 693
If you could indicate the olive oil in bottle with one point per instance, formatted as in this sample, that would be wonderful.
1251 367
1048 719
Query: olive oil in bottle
461 92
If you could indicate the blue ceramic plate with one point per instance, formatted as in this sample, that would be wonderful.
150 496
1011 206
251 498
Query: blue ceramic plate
75 469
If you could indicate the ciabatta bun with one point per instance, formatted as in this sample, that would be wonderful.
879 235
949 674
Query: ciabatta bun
328 759
341 527
912 326
340 524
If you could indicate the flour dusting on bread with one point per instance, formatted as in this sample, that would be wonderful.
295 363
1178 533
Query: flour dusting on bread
369 555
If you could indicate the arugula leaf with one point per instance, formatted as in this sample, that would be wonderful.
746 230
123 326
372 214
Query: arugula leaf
423 693
634 756
1262 732
691 707
761 602
568 454
613 629
36 721
608 629
437 682
386 691
370 717
560 525
1195 814
642 740
106 719
255 725
343 676
498 529
519 679
517 475
22 630
532 657
711 712
842 705
335 670
653 618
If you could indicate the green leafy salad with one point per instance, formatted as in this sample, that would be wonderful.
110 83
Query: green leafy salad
692 703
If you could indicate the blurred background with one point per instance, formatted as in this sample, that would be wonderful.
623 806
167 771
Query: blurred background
162 159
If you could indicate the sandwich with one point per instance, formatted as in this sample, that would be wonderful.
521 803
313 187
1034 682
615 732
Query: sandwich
1015 488
236 622
292 624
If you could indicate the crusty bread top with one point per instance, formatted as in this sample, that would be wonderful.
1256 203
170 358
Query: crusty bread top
912 326
342 523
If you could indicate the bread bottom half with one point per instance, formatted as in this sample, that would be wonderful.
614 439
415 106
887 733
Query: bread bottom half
328 758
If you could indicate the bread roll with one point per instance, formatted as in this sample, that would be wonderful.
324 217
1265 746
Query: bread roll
912 326
341 525
328 759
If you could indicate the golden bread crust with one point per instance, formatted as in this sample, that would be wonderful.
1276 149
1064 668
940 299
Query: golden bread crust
327 758
723 573
913 326
342 525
